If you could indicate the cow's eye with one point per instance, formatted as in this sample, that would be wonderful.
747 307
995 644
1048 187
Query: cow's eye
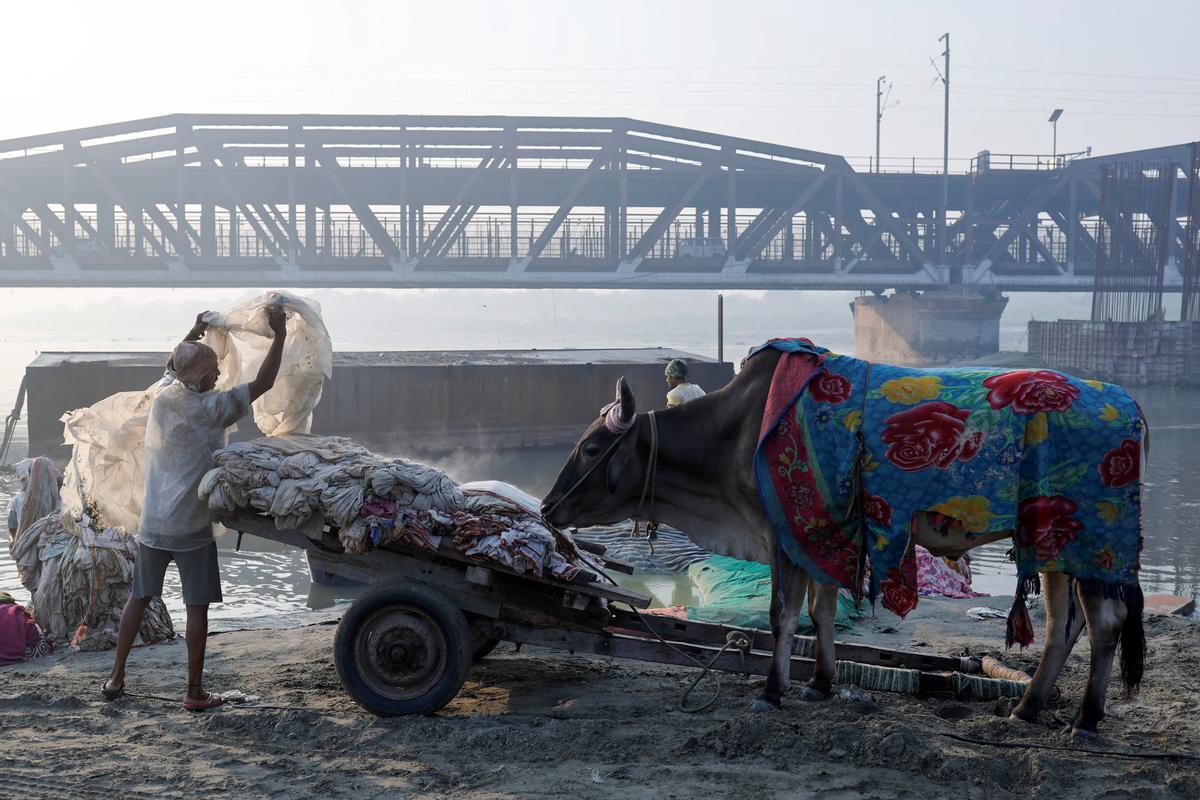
591 450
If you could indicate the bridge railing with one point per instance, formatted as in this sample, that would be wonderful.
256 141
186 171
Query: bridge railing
913 165
988 161
340 234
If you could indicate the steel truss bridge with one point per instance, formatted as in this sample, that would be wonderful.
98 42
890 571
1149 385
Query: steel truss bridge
441 201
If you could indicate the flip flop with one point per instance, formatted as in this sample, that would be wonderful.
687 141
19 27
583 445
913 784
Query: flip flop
210 700
111 694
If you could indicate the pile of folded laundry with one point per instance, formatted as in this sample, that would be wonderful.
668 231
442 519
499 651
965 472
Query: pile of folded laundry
305 481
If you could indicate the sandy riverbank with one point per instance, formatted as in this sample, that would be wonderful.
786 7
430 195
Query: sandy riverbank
541 724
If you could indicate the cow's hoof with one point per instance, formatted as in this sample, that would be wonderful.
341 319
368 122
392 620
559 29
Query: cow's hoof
1084 735
761 705
812 694
1023 714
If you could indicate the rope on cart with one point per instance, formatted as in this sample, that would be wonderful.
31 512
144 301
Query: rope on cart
735 639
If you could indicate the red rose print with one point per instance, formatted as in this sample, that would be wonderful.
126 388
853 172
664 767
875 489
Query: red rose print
1030 391
899 596
931 434
1045 523
1122 465
827 387
877 508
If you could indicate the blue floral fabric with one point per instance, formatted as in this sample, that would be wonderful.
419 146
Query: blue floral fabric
1053 458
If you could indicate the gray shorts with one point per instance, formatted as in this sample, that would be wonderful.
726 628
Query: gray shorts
198 572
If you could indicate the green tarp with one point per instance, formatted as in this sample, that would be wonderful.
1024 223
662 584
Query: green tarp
738 593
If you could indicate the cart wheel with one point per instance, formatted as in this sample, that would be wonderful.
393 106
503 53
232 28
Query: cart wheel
403 650
482 641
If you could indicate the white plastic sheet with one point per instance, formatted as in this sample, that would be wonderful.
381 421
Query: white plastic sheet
241 338
106 468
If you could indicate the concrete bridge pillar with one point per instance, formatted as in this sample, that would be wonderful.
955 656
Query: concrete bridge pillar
932 327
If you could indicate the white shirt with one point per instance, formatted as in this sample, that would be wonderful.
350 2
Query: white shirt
184 430
683 393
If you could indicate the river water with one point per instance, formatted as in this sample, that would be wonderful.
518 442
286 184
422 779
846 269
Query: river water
266 579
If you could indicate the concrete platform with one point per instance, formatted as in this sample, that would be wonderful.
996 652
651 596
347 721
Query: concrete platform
1169 604
400 401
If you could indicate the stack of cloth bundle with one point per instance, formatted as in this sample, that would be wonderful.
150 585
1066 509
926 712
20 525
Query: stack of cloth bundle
305 481
77 569
80 581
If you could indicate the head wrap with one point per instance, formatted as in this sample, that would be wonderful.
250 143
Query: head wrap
192 362
41 493
677 368
24 468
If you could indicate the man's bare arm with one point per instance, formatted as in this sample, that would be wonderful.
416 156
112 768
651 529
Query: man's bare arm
197 331
269 370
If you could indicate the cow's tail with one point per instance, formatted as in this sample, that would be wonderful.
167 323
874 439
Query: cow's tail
1133 639
1133 633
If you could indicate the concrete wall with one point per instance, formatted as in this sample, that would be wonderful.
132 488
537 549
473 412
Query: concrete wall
928 327
1128 353
393 402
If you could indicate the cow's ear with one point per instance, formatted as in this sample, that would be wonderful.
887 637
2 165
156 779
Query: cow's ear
616 464
624 396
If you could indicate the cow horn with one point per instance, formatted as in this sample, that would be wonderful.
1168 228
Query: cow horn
625 398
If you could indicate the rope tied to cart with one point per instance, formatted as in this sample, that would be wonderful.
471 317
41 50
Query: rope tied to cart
735 639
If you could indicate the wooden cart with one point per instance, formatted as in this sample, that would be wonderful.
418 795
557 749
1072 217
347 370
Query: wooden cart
406 645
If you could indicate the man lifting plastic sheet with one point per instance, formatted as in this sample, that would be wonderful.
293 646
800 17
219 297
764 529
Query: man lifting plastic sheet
187 423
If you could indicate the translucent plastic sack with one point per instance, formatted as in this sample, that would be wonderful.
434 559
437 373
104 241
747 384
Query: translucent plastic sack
107 469
107 443
241 338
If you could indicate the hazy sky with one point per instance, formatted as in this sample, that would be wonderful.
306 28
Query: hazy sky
799 73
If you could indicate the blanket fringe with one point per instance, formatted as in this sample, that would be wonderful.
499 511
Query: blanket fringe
1019 629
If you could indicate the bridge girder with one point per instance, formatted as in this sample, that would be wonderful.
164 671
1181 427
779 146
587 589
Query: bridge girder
371 200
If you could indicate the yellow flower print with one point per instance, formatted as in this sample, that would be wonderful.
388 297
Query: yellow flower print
909 390
852 420
1108 511
1108 413
973 512
1036 430
1095 385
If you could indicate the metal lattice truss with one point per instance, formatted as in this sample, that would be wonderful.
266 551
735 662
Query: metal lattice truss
411 201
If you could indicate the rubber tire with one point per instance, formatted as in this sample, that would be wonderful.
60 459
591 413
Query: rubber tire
446 615
482 641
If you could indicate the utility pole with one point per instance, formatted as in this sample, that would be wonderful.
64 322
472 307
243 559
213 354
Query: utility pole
878 114
945 150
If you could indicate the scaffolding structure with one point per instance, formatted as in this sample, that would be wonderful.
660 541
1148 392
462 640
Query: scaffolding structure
1132 237
1189 307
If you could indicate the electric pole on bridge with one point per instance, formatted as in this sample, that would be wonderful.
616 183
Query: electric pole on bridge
945 76
881 105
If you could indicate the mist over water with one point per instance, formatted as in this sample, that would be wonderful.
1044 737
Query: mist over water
266 578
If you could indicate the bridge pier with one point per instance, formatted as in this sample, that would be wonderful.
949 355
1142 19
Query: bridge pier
920 328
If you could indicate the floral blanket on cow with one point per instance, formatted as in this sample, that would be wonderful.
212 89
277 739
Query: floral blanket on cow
849 450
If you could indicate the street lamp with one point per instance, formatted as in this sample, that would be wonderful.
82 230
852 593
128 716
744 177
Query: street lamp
1054 125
